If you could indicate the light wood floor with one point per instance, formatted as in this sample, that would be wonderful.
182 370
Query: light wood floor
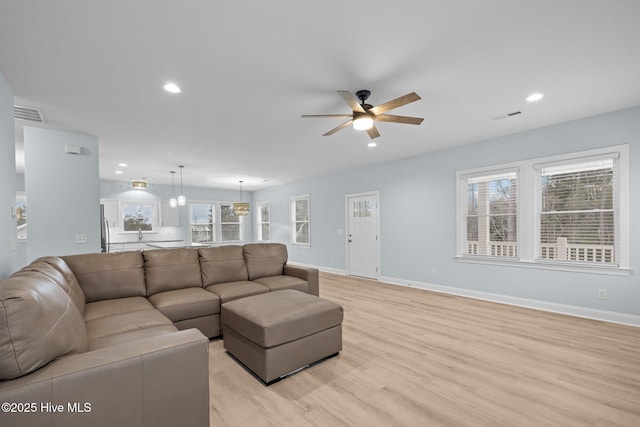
417 358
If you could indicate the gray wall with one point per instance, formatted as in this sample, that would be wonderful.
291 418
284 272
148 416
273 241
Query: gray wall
417 216
63 193
9 258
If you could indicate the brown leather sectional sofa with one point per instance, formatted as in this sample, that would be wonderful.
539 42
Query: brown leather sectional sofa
121 338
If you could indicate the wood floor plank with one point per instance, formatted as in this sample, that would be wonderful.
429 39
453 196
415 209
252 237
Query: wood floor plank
417 358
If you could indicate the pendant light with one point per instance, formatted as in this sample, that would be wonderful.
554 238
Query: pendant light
139 185
181 199
173 202
241 208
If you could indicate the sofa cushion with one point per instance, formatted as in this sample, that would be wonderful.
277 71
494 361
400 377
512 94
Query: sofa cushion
38 323
234 290
107 276
222 264
277 283
169 269
129 336
125 322
94 310
265 259
75 291
188 303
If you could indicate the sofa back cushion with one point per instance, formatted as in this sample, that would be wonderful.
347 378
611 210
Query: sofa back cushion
265 259
69 283
107 276
38 323
169 269
222 264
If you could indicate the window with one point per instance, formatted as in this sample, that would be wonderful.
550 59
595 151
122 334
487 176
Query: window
577 215
202 222
229 224
214 222
263 221
300 220
491 215
566 212
138 217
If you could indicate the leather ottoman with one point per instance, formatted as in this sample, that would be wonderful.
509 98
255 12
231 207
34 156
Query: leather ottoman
278 333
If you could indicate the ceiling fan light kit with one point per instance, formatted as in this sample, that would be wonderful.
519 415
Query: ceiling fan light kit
363 122
364 115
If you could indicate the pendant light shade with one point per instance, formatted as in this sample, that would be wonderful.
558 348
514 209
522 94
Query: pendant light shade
173 202
241 208
182 200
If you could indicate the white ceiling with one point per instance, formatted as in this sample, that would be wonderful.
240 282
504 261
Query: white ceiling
248 70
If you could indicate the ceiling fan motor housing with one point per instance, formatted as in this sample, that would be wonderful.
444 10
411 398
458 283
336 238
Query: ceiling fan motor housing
363 95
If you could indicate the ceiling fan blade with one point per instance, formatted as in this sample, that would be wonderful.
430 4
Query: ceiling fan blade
351 100
399 119
373 132
336 129
344 116
395 103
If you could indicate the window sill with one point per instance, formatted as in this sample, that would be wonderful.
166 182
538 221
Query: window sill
575 268
301 245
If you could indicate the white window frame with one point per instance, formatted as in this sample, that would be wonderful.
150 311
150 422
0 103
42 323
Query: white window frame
528 213
153 217
217 222
489 173
260 223
240 223
292 202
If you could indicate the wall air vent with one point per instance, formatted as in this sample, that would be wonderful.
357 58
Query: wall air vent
506 115
28 113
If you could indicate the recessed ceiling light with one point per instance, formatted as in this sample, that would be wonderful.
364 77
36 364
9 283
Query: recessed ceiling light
535 97
119 172
172 88
123 165
371 144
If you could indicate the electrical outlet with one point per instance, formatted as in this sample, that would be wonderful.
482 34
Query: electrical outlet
432 272
81 238
602 294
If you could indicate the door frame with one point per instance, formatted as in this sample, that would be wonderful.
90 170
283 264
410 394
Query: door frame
375 193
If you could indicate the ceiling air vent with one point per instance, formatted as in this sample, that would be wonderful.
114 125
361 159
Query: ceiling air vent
28 113
506 115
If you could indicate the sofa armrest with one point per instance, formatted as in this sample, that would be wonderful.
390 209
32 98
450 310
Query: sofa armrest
309 274
156 381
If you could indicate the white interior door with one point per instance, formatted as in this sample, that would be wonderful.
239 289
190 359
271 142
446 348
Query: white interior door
362 235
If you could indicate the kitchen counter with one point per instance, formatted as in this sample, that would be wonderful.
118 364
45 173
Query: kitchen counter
174 244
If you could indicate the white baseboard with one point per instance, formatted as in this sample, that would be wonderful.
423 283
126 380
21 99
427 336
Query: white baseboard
323 269
571 310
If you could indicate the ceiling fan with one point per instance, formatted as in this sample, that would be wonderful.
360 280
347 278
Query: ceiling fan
364 115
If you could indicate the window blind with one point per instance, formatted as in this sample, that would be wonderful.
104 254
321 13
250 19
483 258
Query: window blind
578 219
